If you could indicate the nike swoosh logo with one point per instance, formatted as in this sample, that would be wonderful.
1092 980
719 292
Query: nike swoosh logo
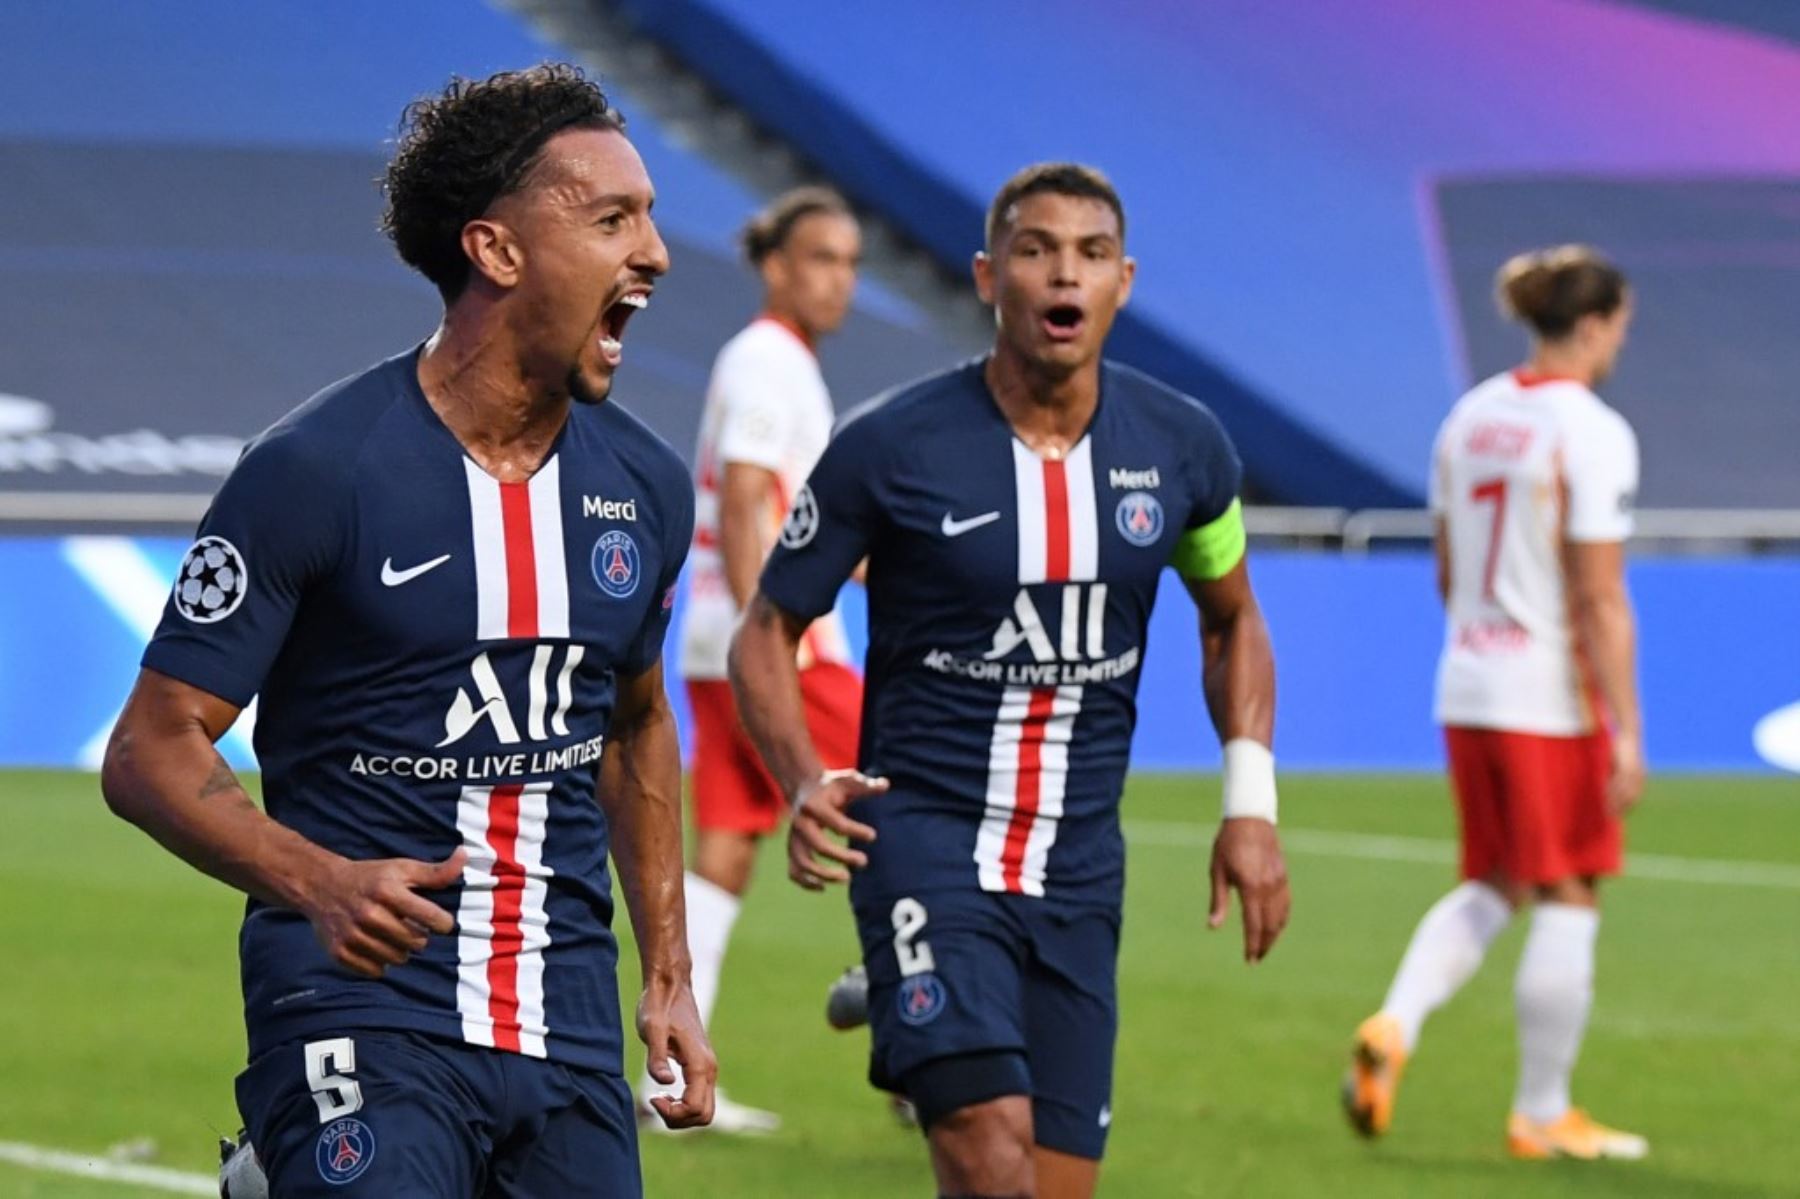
393 578
956 528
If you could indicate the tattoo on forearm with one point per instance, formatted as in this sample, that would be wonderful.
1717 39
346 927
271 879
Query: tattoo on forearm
221 780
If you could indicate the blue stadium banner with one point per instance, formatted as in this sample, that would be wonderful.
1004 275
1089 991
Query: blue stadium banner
1356 640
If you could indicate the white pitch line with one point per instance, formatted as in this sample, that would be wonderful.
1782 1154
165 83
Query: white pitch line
100 1169
1662 867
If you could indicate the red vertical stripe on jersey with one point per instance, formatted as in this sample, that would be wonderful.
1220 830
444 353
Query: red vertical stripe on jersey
1031 775
1056 525
509 902
521 563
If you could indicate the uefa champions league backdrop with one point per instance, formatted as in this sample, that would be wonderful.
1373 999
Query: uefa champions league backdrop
1356 642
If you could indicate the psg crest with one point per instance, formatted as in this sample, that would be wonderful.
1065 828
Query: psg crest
346 1150
212 583
921 998
1140 518
616 563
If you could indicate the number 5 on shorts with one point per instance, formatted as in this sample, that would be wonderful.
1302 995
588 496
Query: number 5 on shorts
335 1093
915 955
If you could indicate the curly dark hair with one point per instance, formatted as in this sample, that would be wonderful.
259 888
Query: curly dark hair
1057 179
464 148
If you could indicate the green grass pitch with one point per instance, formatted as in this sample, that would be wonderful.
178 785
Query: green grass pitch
119 1018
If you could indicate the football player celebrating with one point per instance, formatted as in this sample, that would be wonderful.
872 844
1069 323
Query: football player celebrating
1532 482
448 578
1016 513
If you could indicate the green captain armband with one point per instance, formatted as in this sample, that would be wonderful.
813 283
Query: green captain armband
1213 550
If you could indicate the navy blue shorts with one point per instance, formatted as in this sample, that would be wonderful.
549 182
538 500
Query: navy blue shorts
405 1116
1022 991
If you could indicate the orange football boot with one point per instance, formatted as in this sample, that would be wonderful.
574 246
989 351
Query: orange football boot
1574 1134
1376 1063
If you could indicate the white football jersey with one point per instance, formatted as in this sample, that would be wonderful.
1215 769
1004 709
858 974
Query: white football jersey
767 406
1523 464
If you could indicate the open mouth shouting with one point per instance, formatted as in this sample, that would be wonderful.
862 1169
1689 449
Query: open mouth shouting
1063 322
613 321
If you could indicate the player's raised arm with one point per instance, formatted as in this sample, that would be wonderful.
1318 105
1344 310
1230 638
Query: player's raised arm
640 789
1239 680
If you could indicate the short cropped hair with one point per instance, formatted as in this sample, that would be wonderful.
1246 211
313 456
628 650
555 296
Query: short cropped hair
463 149
1551 289
770 229
1054 178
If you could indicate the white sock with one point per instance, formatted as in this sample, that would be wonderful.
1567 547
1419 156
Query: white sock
711 911
1445 952
1554 990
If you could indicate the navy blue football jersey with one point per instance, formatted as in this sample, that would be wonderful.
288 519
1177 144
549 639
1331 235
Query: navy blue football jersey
1008 600
435 655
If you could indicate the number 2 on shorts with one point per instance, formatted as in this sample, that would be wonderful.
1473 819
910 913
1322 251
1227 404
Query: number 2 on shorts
909 921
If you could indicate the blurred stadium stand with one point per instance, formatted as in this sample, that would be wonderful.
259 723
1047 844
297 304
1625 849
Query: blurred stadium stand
190 246
1320 192
1317 229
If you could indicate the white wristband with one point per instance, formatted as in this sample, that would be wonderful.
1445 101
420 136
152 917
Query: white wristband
1249 780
